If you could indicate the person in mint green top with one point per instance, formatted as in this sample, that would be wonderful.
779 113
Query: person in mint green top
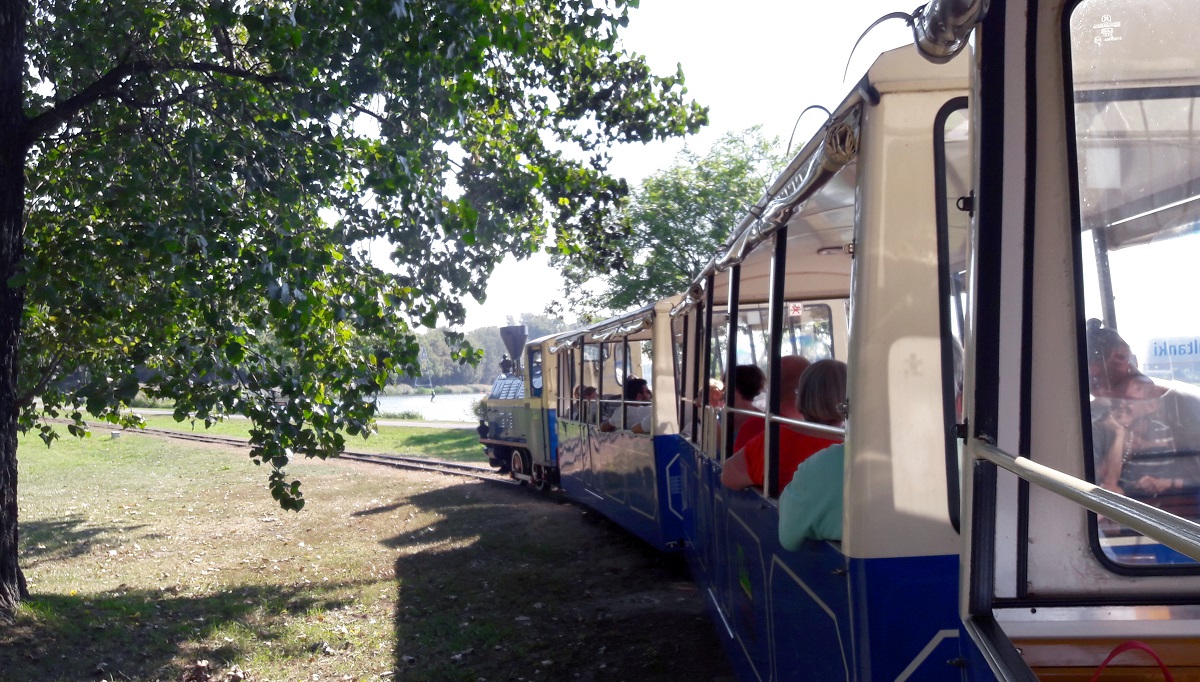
810 507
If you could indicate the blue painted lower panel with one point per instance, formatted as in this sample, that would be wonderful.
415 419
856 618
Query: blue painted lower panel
815 614
633 480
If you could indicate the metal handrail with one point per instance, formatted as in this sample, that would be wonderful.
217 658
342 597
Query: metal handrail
811 428
1171 530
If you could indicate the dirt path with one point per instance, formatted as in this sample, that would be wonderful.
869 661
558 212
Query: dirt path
580 598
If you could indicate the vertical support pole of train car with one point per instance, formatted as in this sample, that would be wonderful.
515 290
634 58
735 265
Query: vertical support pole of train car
700 334
776 305
599 378
731 334
624 380
702 379
1104 276
582 383
683 367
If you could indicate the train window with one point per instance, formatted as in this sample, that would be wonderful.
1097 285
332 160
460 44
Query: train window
679 351
1136 163
646 353
718 345
620 362
753 331
697 318
808 331
535 372
952 166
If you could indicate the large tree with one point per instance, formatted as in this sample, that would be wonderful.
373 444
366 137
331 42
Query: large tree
183 184
676 219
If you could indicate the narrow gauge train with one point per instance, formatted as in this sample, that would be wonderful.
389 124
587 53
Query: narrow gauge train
1029 519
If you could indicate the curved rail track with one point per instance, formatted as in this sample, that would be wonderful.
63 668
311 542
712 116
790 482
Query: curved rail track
483 473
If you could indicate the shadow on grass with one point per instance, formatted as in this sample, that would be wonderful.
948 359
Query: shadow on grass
509 584
374 511
63 538
139 634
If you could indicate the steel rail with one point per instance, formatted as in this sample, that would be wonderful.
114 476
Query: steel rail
441 466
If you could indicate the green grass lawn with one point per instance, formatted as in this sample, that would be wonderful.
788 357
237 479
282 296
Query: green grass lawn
144 556
147 556
460 445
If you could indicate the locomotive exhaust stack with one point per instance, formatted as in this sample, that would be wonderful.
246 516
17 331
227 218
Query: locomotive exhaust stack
513 337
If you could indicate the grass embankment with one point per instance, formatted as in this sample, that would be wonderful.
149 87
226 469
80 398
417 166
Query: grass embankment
145 556
460 445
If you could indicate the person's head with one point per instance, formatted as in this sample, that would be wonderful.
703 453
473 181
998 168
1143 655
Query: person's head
1109 359
791 368
748 382
716 392
589 393
1133 398
822 392
637 389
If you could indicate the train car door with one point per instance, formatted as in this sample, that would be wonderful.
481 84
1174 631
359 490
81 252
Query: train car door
536 400
1086 251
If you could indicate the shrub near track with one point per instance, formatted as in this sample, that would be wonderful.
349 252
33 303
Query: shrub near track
147 556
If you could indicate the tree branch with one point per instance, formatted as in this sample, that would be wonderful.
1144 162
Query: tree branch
106 87
48 374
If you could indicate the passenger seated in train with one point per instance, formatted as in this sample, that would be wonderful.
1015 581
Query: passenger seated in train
810 506
716 394
790 369
1145 432
822 390
1110 361
589 396
637 404
748 382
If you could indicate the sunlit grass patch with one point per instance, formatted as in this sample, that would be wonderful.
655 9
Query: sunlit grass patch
451 444
145 555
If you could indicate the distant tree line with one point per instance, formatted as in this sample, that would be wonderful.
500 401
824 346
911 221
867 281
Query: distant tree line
439 367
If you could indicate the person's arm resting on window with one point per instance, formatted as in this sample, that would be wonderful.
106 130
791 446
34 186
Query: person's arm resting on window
735 474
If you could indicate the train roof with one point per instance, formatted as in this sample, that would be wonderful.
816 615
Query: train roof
635 324
815 195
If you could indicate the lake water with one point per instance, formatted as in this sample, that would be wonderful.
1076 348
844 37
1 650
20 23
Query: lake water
443 408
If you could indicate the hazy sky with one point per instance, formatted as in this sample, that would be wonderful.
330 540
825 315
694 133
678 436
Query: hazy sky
755 62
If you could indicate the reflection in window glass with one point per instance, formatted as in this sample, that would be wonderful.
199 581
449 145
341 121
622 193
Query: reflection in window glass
535 372
1137 151
954 165
808 331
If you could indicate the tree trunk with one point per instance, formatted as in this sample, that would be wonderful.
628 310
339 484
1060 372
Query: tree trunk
13 15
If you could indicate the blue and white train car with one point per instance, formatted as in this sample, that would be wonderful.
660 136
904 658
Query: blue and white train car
1030 516
630 474
855 253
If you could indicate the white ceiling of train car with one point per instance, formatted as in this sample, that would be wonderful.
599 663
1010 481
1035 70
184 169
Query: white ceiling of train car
824 223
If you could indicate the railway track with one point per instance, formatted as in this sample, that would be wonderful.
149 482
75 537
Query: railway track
483 473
